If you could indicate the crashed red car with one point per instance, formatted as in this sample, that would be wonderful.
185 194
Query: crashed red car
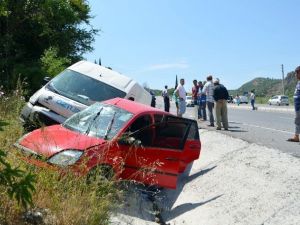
135 141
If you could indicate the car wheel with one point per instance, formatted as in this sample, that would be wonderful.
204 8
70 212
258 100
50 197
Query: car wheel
101 173
278 103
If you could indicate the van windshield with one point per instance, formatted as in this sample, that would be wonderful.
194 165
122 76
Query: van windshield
82 88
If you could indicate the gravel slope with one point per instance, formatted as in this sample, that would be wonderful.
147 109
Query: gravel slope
232 183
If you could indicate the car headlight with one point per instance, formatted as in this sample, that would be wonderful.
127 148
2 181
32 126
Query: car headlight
66 158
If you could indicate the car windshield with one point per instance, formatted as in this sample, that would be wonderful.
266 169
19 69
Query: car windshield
99 120
82 88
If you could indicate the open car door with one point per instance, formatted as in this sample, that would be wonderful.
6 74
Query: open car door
155 160
181 134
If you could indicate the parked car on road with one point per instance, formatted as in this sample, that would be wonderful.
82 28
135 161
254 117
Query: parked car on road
230 99
243 99
189 101
74 89
131 140
279 100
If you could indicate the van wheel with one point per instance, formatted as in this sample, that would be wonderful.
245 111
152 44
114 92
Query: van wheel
101 173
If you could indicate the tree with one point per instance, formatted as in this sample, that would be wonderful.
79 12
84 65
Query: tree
29 30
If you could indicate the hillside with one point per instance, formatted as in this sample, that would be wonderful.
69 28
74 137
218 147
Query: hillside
266 87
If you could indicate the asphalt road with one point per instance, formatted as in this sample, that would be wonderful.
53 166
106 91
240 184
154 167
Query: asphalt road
267 128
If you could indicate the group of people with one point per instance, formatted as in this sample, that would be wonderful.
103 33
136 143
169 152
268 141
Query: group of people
209 94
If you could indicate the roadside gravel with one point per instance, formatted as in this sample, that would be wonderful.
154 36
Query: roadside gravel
232 183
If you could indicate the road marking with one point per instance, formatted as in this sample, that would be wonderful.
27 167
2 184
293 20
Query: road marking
267 128
289 118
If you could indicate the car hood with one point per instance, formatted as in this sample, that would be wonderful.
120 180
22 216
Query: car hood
50 140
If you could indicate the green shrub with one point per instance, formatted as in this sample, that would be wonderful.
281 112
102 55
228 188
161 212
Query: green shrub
17 183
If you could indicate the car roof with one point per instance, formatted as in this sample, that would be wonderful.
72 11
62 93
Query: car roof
132 106
102 73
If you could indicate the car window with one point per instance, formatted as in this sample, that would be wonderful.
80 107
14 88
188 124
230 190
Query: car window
141 130
170 132
193 132
82 88
99 120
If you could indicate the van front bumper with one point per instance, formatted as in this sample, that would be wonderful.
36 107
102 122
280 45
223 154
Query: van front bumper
36 115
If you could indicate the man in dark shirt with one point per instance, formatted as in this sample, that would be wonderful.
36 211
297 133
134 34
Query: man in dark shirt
297 107
221 96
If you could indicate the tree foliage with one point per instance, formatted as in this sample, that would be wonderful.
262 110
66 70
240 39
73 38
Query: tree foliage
34 32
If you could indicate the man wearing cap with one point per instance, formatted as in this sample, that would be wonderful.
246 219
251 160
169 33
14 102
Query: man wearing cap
297 107
221 95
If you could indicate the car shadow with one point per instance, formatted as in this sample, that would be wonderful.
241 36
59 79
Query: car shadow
183 208
167 197
155 204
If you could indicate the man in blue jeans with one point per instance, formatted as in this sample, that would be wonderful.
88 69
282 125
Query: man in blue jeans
201 102
297 108
252 99
208 90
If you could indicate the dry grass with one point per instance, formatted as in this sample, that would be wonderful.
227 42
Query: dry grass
70 200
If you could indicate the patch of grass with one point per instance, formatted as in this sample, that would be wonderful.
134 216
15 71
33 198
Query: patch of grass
69 199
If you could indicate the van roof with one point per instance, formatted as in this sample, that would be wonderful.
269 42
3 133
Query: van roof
102 73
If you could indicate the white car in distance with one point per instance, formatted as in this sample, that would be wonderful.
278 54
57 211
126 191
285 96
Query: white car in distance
279 100
189 101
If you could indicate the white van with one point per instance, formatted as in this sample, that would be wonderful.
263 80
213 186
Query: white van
77 87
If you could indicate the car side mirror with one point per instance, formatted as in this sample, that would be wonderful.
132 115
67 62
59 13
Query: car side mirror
46 80
129 141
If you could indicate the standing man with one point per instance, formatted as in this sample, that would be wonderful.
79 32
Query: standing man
208 90
195 90
221 95
252 99
166 97
181 93
201 102
297 107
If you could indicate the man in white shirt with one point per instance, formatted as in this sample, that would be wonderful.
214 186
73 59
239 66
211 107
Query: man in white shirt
181 93
208 89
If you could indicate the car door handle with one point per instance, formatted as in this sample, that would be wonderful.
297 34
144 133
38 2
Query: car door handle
172 159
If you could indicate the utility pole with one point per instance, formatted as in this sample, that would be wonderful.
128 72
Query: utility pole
282 79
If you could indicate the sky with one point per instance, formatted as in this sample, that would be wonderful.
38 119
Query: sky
236 41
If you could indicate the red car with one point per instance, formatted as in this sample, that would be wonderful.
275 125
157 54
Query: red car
135 141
